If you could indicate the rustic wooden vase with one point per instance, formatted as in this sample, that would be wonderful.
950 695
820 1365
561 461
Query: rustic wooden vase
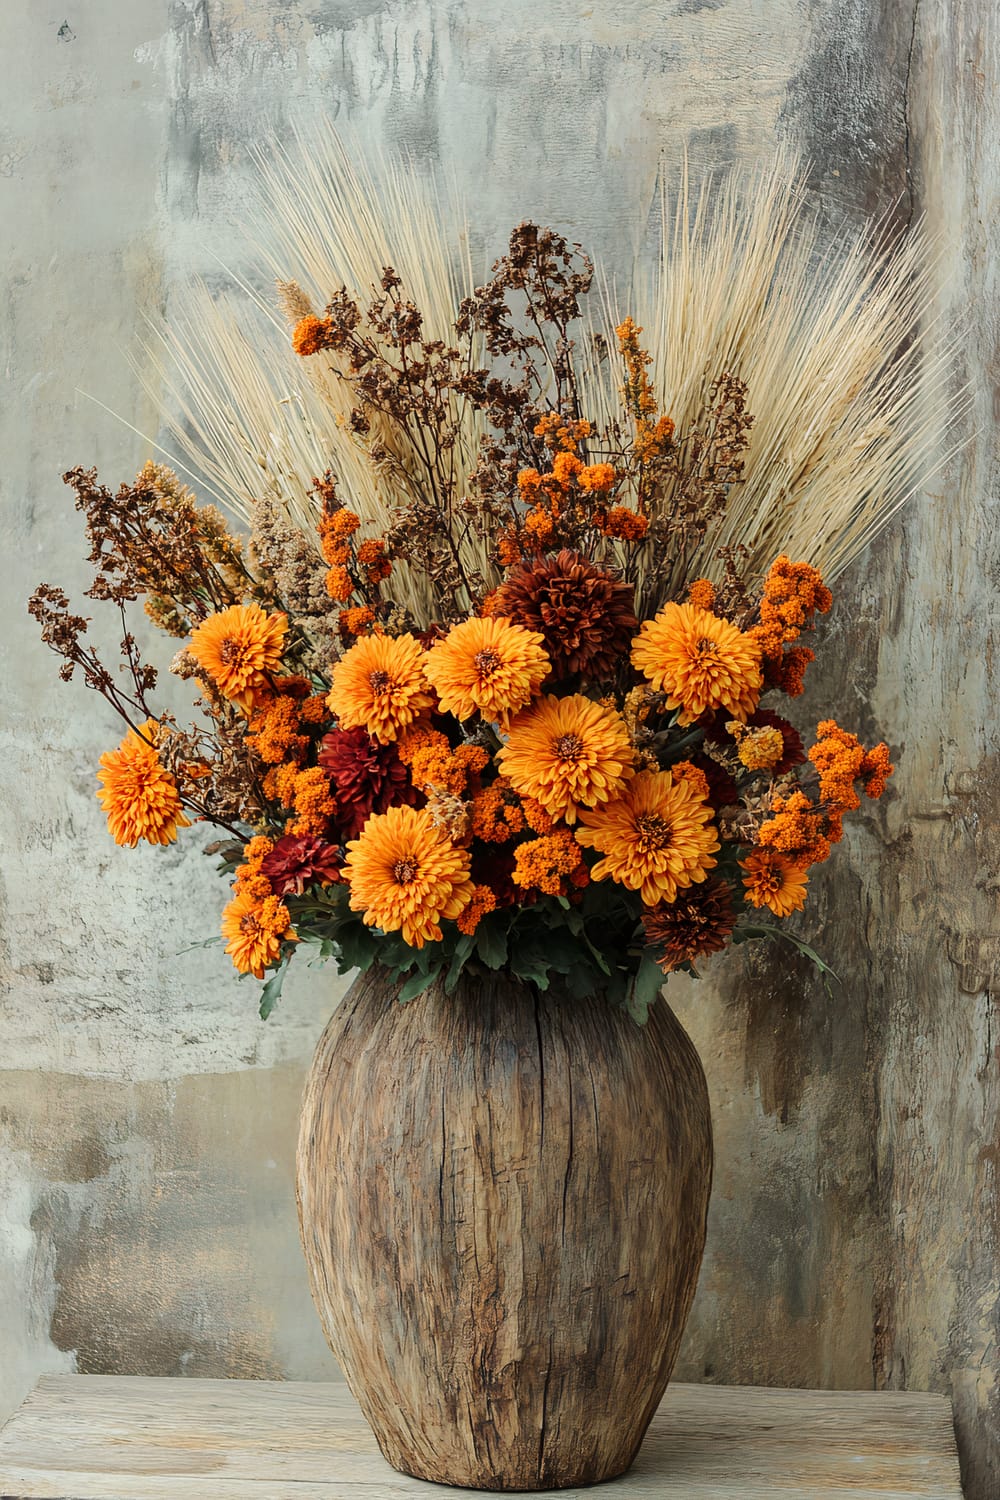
502 1198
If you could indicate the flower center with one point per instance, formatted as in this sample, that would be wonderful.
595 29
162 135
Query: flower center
249 925
706 646
233 652
378 681
568 747
487 661
654 832
405 870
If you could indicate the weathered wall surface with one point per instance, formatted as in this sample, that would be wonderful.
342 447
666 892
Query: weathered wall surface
147 1118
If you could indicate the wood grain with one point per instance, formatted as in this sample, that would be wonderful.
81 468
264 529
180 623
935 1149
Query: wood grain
94 1437
503 1199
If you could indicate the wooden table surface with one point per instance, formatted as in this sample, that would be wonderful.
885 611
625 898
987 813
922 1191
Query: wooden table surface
109 1437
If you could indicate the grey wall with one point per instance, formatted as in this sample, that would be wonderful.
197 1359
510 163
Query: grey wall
146 1205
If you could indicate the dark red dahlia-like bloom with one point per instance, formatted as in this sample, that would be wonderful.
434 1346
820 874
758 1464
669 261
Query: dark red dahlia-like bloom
366 777
301 860
584 613
697 923
722 789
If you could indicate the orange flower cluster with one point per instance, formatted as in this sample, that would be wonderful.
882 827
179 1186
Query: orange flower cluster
500 814
255 923
800 829
311 334
842 760
553 865
794 593
653 438
482 901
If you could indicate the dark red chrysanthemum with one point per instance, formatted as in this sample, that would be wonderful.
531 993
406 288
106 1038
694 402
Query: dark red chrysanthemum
298 861
722 789
697 923
366 777
494 867
585 614
794 754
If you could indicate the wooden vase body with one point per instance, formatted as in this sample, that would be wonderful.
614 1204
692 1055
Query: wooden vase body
502 1198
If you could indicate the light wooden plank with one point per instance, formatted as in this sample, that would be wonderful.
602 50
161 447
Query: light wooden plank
95 1437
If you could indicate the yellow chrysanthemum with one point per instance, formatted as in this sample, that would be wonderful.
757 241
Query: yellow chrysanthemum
567 753
240 650
775 881
380 685
656 838
254 930
488 666
405 875
138 794
700 661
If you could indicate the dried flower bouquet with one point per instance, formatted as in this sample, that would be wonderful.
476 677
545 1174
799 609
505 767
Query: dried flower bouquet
513 700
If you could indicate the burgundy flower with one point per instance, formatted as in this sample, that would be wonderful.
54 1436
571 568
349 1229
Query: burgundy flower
585 614
367 777
494 866
697 923
722 789
301 860
714 726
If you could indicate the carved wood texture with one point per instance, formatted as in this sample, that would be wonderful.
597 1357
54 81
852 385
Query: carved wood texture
503 1200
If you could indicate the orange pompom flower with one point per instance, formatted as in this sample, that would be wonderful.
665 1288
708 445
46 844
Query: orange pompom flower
567 754
405 875
775 881
138 794
483 901
254 930
488 666
311 334
240 650
553 864
380 685
700 661
656 838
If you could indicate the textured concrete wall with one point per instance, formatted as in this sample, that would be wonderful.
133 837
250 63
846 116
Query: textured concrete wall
146 1205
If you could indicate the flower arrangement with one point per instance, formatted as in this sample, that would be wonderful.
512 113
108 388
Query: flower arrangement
500 719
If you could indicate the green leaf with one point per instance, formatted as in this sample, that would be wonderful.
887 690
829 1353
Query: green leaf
463 950
491 944
644 989
747 933
417 983
358 947
271 993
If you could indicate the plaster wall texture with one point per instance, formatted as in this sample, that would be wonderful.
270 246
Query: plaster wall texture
147 1117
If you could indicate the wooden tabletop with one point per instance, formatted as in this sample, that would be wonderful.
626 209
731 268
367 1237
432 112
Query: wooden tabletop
110 1437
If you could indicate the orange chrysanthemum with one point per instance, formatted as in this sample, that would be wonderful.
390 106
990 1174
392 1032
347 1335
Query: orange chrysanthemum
254 930
380 685
240 650
405 875
656 838
700 661
138 794
775 881
488 666
567 754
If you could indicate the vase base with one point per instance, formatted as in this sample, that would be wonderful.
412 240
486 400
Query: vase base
500 1484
